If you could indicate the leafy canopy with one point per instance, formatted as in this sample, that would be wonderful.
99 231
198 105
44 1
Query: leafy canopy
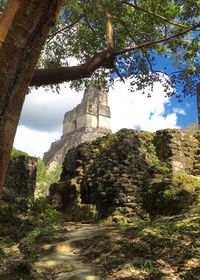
139 32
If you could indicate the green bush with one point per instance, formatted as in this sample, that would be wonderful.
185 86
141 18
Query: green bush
43 218
16 153
46 177
50 215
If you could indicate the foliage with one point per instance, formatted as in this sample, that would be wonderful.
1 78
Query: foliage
182 182
81 28
45 177
167 239
22 228
16 153
41 206
171 194
43 225
149 150
166 247
26 226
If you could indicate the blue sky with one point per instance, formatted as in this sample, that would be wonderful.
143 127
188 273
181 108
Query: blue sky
188 103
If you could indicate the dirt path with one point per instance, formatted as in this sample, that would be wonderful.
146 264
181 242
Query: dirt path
62 261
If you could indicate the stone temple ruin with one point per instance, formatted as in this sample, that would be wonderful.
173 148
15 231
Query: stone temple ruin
129 174
86 122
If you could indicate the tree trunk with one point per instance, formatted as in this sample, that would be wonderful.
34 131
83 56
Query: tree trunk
20 49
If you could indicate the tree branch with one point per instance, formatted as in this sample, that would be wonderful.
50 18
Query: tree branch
118 73
65 28
108 23
85 12
155 15
50 76
165 39
109 31
123 24
104 59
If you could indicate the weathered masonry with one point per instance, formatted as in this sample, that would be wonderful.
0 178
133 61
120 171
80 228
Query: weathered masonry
131 173
21 175
86 122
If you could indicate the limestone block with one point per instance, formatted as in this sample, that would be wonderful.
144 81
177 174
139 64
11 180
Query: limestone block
104 122
91 121
81 121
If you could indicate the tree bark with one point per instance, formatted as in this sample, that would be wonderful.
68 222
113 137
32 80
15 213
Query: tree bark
64 74
19 52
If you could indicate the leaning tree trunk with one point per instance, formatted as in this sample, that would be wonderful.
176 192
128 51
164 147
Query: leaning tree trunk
24 27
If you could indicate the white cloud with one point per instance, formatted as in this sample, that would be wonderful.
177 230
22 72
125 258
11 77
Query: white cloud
42 117
179 111
136 110
43 112
34 142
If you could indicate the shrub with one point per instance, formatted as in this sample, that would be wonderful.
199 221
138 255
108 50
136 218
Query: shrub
16 153
46 177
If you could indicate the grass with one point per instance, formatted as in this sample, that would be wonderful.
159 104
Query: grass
163 247
20 233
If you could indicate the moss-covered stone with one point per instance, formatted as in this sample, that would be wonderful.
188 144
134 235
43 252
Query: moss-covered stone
21 175
131 173
171 195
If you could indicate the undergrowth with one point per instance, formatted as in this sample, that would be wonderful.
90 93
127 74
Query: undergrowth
157 249
20 233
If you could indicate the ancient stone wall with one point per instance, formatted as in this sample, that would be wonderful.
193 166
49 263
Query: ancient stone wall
196 166
58 149
130 173
21 175
177 148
